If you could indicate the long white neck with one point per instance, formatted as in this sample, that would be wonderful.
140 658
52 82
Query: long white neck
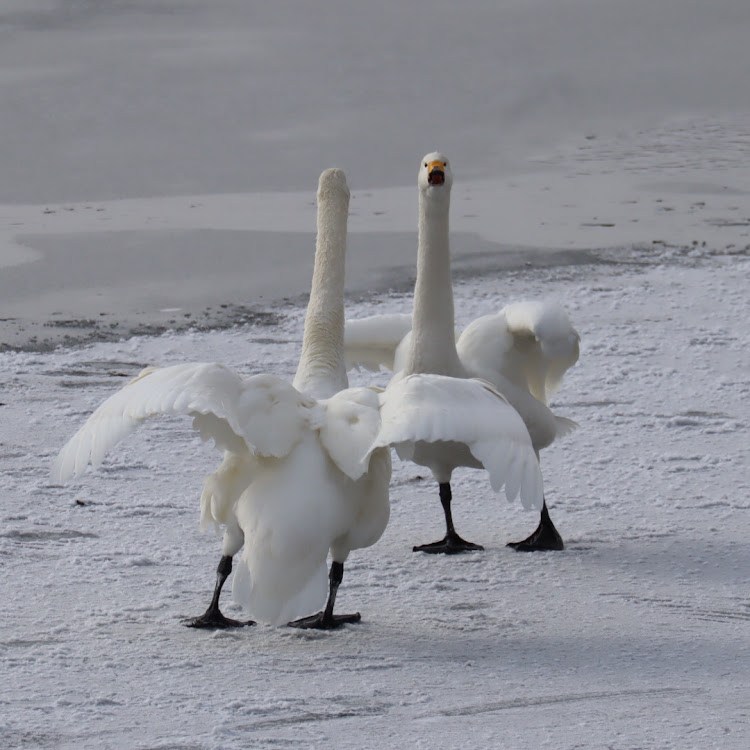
321 370
433 339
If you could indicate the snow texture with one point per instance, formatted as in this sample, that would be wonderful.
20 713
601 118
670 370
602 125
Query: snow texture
633 214
635 636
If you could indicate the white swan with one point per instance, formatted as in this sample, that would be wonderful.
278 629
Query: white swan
293 483
523 351
430 349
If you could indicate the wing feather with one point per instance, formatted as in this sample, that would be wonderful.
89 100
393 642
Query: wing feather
532 344
436 408
556 342
261 413
372 342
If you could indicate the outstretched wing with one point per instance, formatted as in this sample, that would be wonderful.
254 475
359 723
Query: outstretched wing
372 342
261 413
436 408
532 344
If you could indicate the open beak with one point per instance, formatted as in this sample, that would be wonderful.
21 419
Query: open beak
436 173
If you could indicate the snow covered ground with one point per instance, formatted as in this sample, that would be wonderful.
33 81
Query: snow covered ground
636 637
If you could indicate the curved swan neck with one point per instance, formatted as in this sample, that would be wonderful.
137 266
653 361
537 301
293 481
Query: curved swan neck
321 370
433 342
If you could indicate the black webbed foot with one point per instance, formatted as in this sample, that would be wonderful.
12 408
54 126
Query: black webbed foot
326 620
450 544
546 538
212 619
215 620
321 621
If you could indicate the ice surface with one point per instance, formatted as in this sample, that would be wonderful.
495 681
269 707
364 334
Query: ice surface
634 637
159 161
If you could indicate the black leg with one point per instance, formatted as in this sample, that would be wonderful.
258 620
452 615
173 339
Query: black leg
212 617
452 543
545 538
326 620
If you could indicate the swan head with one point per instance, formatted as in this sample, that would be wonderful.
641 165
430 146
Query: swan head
435 173
332 183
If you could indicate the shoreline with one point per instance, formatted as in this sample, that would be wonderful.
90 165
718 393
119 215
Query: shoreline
80 272
71 331
238 298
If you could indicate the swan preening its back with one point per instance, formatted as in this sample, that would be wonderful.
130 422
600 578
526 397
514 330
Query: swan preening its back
523 351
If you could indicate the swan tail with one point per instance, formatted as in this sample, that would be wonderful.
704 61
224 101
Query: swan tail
267 597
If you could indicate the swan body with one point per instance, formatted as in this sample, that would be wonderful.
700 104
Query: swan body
299 475
442 422
302 489
523 351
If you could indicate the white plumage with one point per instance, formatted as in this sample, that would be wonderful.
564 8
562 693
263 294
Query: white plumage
299 477
530 344
523 351
423 415
261 413
372 342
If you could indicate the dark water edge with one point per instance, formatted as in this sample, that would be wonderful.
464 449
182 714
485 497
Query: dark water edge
58 330
31 336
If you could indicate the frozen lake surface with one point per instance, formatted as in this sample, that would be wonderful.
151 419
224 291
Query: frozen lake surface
155 153
158 177
636 636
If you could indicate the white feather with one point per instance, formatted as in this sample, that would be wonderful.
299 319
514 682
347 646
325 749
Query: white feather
426 408
530 343
372 342
350 425
293 483
523 351
262 413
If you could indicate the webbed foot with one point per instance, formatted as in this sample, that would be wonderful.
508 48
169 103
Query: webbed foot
450 544
546 537
214 620
322 621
